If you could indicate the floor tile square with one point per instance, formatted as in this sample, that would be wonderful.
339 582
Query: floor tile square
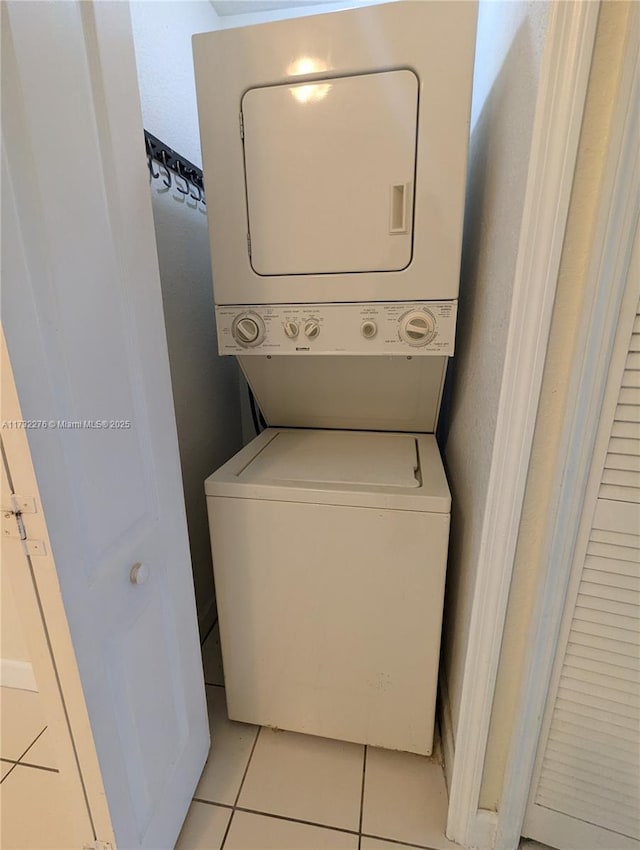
204 827
22 720
257 832
34 812
40 753
405 799
304 777
212 658
231 745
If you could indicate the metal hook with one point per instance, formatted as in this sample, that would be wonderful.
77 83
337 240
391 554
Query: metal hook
197 197
150 167
182 177
167 179
149 150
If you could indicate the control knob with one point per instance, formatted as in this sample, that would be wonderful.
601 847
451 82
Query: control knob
248 329
311 328
369 329
418 327
291 329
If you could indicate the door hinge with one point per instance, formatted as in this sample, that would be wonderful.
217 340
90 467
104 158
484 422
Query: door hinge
98 845
13 525
249 243
242 126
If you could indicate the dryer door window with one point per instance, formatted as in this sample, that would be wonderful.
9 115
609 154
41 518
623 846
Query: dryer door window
329 169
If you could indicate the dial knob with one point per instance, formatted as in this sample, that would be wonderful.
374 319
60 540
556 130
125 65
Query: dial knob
291 329
312 328
417 327
369 329
248 330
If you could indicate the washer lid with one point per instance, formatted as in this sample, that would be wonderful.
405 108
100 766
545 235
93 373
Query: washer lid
357 468
338 457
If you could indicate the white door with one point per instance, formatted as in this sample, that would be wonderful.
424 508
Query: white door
329 169
82 315
585 791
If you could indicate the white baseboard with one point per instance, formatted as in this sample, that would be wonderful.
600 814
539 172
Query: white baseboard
482 833
17 674
482 828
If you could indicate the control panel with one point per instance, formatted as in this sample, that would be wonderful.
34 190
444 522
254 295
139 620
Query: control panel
409 328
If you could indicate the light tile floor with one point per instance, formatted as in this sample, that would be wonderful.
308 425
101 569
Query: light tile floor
23 733
31 796
260 790
272 790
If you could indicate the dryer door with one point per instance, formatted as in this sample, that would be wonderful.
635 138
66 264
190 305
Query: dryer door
330 169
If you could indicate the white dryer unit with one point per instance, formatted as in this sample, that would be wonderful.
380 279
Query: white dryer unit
330 552
335 154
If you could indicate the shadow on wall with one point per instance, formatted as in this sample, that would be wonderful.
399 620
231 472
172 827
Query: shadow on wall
497 176
205 385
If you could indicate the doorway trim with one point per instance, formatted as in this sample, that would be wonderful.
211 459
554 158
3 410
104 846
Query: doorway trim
610 286
558 118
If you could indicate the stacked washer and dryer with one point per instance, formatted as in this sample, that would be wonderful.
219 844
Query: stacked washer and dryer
335 153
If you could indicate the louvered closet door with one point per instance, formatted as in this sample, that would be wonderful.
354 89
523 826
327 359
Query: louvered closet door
586 789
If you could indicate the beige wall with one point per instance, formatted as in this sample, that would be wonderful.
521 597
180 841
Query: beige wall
509 48
568 310
12 643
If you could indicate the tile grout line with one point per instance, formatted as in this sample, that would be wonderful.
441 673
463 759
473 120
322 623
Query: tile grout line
15 764
290 819
38 767
286 818
398 841
364 773
246 770
244 776
209 630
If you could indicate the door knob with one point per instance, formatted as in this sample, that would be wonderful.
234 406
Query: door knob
139 573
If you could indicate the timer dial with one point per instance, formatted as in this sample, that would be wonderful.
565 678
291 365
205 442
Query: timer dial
248 330
312 328
417 327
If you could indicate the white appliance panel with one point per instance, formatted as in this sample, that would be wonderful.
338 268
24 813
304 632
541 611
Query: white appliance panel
338 457
361 393
397 328
329 174
433 41
246 476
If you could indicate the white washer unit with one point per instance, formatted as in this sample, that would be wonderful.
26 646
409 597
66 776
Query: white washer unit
335 151
329 555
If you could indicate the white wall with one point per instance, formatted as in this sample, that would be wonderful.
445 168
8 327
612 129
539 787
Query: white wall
509 48
205 386
564 337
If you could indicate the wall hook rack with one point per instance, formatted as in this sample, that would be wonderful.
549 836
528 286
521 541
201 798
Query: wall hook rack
173 161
